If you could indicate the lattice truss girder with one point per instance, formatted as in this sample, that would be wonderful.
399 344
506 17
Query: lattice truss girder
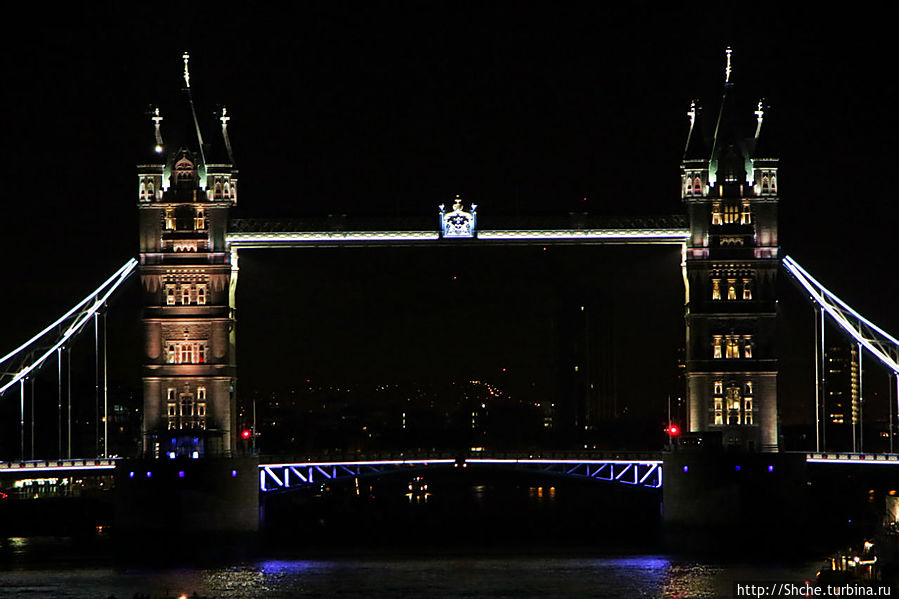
28 357
881 344
274 477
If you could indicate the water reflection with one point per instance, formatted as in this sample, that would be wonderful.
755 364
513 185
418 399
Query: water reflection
441 578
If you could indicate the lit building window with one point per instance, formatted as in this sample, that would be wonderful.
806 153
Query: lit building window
201 294
170 295
746 215
173 410
747 405
773 184
732 350
200 220
747 348
716 289
730 214
170 219
731 289
171 394
201 393
719 387
151 191
185 295
716 214
747 289
143 190
748 387
697 186
186 352
719 411
716 346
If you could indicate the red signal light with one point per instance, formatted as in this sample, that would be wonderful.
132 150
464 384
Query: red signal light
245 434
673 430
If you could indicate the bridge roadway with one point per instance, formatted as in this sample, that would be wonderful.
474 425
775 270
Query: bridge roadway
279 473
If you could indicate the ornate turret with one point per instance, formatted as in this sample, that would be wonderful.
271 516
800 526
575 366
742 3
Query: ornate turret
186 189
730 193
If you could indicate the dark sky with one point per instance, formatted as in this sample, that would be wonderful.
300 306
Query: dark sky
391 109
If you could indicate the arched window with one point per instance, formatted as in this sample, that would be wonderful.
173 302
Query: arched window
765 185
227 191
697 186
143 191
218 190
773 184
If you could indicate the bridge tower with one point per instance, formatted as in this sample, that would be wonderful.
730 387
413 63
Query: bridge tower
729 188
186 188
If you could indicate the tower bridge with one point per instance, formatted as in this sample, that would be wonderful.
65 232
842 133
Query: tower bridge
188 264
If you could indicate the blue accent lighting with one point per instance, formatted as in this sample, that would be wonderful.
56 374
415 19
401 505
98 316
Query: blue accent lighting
130 475
233 473
686 468
149 474
770 468
737 468
181 474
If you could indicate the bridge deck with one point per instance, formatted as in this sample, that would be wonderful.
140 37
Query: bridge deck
340 231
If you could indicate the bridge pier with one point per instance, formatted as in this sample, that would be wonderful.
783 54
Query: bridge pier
213 495
734 500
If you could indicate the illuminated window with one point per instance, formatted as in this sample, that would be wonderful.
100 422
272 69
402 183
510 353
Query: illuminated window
697 186
730 214
200 220
719 387
747 347
716 347
173 410
151 191
747 404
201 393
716 289
773 184
733 349
201 409
719 410
171 394
218 190
765 185
731 289
748 387
170 295
746 215
170 219
716 214
227 191
185 295
201 294
747 289
186 352
747 418
143 190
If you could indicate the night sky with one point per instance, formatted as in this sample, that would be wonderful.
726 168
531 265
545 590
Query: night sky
382 109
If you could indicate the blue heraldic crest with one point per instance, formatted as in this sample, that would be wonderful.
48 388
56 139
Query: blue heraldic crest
458 223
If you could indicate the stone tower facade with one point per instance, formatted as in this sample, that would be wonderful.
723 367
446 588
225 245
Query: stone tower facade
185 193
730 190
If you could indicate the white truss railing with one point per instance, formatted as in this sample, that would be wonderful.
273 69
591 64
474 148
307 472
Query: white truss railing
647 473
20 362
881 344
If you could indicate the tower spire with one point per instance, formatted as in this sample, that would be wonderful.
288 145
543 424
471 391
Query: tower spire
728 69
224 119
193 111
186 57
157 120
